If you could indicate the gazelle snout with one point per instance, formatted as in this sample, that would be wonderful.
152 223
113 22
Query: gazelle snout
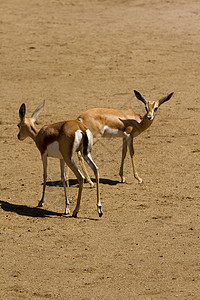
150 117
21 138
19 133
23 132
151 108
150 113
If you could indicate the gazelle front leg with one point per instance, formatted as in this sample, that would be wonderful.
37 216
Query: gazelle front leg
62 168
132 154
44 161
124 151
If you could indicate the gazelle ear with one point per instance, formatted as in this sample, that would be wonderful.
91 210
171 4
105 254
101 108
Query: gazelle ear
164 99
37 111
22 111
140 97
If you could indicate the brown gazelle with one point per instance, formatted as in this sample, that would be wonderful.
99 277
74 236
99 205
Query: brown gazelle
61 140
122 123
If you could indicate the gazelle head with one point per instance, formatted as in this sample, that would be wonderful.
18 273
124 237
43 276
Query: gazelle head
151 106
27 125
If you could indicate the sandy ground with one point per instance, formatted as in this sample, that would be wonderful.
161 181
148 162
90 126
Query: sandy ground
78 55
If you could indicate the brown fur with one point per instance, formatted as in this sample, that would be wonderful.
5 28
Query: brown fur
61 131
126 121
129 123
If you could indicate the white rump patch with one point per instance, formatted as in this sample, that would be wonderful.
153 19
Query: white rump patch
90 139
53 150
111 132
77 140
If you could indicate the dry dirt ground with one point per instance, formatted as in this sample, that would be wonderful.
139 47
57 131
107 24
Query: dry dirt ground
78 55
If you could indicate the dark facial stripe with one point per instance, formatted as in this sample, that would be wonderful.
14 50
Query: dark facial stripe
33 129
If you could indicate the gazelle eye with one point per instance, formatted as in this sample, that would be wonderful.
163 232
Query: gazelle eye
155 109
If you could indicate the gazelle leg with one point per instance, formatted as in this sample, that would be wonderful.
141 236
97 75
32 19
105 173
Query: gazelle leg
85 172
92 165
80 178
131 150
67 175
62 168
44 161
124 151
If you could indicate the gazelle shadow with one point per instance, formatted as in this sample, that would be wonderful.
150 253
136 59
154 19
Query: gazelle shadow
73 182
25 210
35 212
108 181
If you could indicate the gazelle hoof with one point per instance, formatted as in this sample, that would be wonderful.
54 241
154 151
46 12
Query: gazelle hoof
91 183
92 186
40 204
100 214
67 211
141 182
74 215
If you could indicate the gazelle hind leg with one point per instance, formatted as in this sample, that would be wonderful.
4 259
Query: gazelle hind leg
85 172
62 168
92 165
70 163
67 175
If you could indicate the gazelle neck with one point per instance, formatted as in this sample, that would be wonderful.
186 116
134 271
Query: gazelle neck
145 123
33 132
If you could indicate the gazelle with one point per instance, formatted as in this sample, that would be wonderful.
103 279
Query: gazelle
61 140
122 123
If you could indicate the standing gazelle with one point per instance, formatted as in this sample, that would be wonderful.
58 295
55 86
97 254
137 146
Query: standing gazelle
122 123
61 140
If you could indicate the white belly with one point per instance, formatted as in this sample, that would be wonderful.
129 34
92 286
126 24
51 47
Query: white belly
53 150
110 132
